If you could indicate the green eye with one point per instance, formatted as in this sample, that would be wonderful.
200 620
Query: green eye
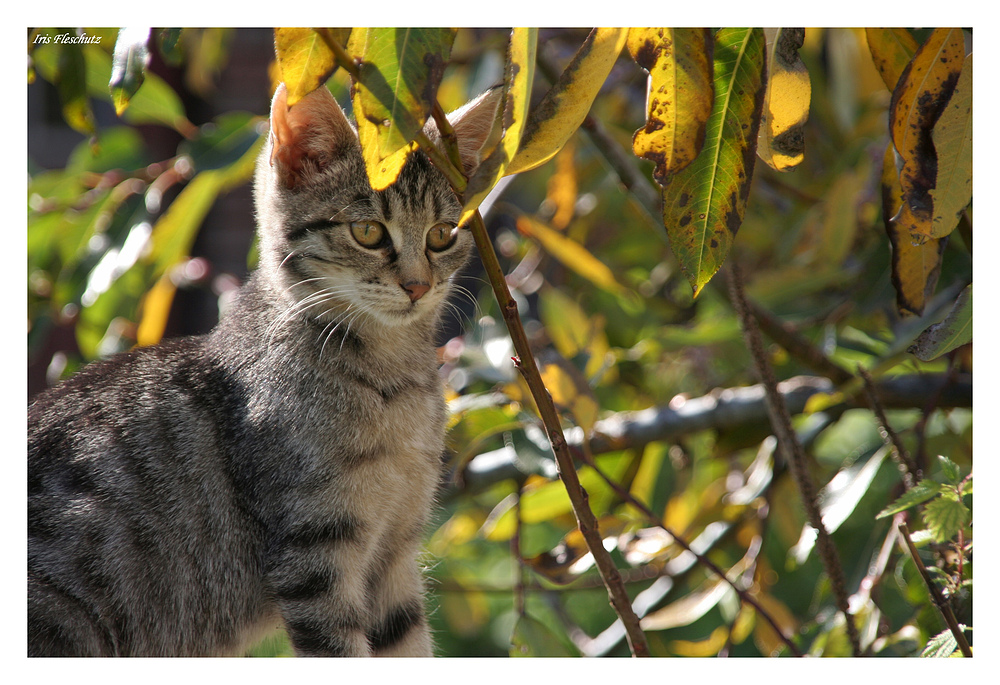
441 237
368 233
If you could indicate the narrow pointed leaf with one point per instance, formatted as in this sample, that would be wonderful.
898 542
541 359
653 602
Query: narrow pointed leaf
915 268
572 254
680 96
786 103
892 50
398 80
565 106
520 74
952 136
703 205
71 81
953 332
128 66
305 59
917 103
169 43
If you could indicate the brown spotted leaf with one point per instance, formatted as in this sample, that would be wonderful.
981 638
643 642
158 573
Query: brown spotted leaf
919 99
703 205
952 136
786 103
892 50
680 96
915 268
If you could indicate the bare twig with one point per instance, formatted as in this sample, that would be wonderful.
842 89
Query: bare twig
911 474
794 455
939 601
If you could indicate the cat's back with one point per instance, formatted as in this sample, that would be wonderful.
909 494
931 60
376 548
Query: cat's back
127 483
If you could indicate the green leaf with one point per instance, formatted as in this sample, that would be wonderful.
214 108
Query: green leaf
786 104
532 638
565 106
169 43
223 141
952 136
680 96
520 74
399 75
940 646
950 469
128 66
72 85
953 332
921 492
944 517
703 205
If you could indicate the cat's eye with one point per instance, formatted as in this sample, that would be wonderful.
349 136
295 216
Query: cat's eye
368 233
442 236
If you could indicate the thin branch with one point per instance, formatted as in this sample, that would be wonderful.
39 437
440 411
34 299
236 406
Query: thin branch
579 499
794 454
911 474
703 560
939 601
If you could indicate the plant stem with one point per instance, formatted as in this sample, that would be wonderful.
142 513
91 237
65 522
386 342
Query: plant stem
795 457
939 601
525 363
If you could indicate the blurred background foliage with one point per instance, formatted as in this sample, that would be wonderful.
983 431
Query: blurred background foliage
141 226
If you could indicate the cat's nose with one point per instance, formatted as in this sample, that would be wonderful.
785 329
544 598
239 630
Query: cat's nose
415 289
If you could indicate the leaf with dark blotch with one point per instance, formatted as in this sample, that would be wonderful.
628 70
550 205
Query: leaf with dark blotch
703 205
567 103
399 73
781 142
952 137
915 267
679 98
892 50
919 99
953 332
305 59
128 66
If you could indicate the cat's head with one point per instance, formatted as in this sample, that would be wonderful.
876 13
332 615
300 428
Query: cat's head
334 248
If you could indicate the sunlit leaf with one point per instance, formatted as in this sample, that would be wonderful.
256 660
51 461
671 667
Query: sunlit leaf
892 49
571 253
918 101
953 332
703 204
952 473
944 517
518 79
571 331
941 646
400 70
305 59
680 95
128 66
155 311
561 189
918 494
781 140
768 641
710 646
915 267
952 136
565 106
569 391
533 638
689 608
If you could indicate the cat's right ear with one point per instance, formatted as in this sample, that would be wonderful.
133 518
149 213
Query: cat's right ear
308 135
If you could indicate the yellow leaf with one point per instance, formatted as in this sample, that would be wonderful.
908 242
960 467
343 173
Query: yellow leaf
920 97
305 59
520 75
781 140
710 646
688 609
569 391
571 253
680 96
561 189
572 332
915 268
892 50
155 311
768 641
952 136
565 106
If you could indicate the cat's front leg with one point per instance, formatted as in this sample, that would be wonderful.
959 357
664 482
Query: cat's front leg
399 626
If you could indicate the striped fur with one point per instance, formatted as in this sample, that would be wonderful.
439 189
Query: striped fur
188 498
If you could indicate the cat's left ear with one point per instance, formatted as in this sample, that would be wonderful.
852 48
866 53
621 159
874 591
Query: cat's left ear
477 128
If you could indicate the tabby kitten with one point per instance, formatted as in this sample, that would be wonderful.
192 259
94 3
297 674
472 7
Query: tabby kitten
188 498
